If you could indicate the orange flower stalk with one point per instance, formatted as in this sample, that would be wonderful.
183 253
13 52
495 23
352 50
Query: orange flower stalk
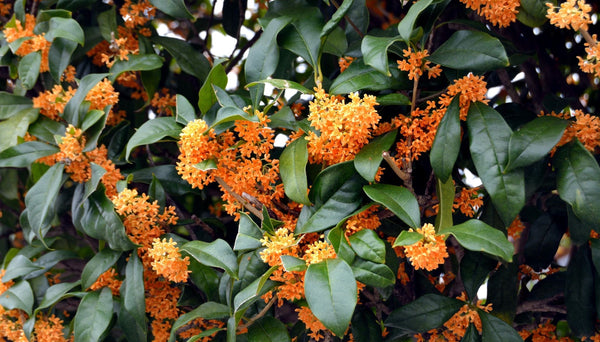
416 65
497 12
429 252
108 279
572 14
167 261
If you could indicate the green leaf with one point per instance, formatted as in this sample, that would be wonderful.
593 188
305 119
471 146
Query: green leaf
205 278
579 292
71 113
533 12
231 113
168 177
18 296
91 118
24 154
16 126
375 52
185 111
248 236
59 56
291 263
29 69
471 335
206 95
406 26
263 56
11 104
56 293
74 4
282 84
132 317
471 50
93 316
135 63
175 8
46 129
101 262
474 269
268 329
489 135
189 59
233 14
477 236
373 274
65 28
369 158
253 291
578 181
19 266
543 241
503 291
292 166
445 192
406 238
41 198
152 131
330 289
208 310
427 312
107 21
534 140
215 254
337 238
359 76
368 245
446 144
303 37
397 199
579 230
393 99
496 330
595 248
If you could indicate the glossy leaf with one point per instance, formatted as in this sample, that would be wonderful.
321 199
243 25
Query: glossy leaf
16 126
533 12
59 56
93 316
71 113
477 236
185 113
152 131
359 76
11 104
29 69
174 8
231 113
24 154
471 50
101 262
336 17
282 84
428 312
337 238
397 199
132 317
189 59
18 267
248 236
445 192
368 245
291 263
206 95
55 293
496 330
65 28
534 140
375 52
406 238
40 200
18 296
254 291
488 136
578 181
369 158
406 26
303 37
168 177
215 254
268 329
263 56
579 292
330 290
292 166
373 274
208 310
446 144
135 63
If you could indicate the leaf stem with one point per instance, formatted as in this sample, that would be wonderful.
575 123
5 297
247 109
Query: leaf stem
258 315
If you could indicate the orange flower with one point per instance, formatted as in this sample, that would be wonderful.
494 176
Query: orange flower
282 243
468 201
318 251
101 95
471 89
584 127
429 252
415 65
108 279
52 102
572 14
5 8
161 299
344 62
137 14
33 44
311 322
591 63
49 329
516 228
498 12
367 219
167 261
163 102
69 74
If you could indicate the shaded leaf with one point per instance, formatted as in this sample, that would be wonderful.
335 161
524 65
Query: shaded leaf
292 166
189 59
24 154
427 312
135 63
215 254
18 296
268 329
40 200
471 50
93 316
397 199
477 236
29 69
248 236
152 131
208 310
132 317
174 8
446 144
101 262
369 158
406 26
206 95
496 330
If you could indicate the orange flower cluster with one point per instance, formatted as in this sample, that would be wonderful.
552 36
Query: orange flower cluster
36 42
343 128
11 321
416 65
318 251
545 332
471 89
591 63
118 49
528 271
69 74
311 322
101 95
367 219
200 325
584 127
167 261
137 14
497 12
49 329
5 8
429 252
468 201
344 62
515 229
163 102
108 279
161 304
239 159
52 102
572 14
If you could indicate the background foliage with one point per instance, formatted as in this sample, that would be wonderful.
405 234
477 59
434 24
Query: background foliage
359 170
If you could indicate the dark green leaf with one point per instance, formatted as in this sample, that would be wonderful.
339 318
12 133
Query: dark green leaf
291 263
206 278
543 241
135 63
292 165
445 192
474 269
268 329
533 12
406 26
93 316
595 247
132 317
208 310
368 245
45 129
152 131
40 200
263 56
373 274
330 289
471 50
185 111
397 199
231 113
91 118
18 296
579 292
24 154
59 56
496 330
303 37
503 291
55 293
471 335
579 230
29 69
157 192
107 21
578 181
11 104
74 4
206 95
394 99
337 238
446 144
175 8
248 236
16 126
427 312
534 140
189 59
477 236
359 76
216 254
168 177
18 267
65 28
71 113
98 265
233 16
489 135
375 52
407 238
369 158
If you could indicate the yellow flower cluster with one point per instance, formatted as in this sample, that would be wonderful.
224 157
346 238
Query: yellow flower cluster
429 252
167 261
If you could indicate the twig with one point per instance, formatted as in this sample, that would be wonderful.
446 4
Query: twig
588 38
232 63
239 198
404 176
258 315
503 75
337 6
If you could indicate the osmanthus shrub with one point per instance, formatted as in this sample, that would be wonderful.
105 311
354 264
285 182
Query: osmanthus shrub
356 170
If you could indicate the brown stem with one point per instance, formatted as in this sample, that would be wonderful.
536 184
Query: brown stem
238 198
233 61
258 315
403 175
505 79
588 38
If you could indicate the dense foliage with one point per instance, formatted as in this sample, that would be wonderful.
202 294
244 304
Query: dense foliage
364 170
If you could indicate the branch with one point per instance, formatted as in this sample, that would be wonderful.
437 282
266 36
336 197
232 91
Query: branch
404 176
239 198
232 63
258 315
